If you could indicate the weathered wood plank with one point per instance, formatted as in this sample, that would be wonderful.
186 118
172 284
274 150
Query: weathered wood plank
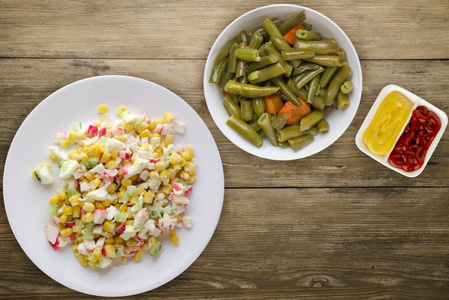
178 29
25 82
366 243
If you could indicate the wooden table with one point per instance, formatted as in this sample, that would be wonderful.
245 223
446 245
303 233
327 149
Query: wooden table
336 225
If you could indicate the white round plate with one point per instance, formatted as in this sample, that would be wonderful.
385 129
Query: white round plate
27 201
339 120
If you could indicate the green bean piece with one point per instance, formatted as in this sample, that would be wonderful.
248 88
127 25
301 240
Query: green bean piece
282 45
313 86
258 106
265 123
266 73
286 90
304 78
311 120
247 54
249 90
326 76
289 132
336 83
243 79
224 78
301 142
225 50
318 102
296 54
246 111
256 40
342 54
245 130
232 60
264 61
307 26
272 29
346 87
307 35
326 60
305 67
236 98
231 107
323 126
313 130
255 125
326 47
342 100
241 64
262 31
322 91
243 35
270 49
218 70
301 93
292 21
280 121
283 145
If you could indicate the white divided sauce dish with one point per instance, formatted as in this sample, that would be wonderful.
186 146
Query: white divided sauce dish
417 101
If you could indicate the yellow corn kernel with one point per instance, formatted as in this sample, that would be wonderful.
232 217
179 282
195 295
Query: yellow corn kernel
65 143
54 199
63 218
179 217
92 265
145 147
61 194
74 200
83 261
175 158
109 241
141 189
74 247
123 208
156 155
110 251
123 259
114 154
191 180
143 126
88 207
52 157
131 242
160 121
111 164
120 138
159 166
99 205
118 240
126 182
133 200
145 133
129 127
153 241
87 218
191 170
138 255
121 109
129 222
97 123
189 149
145 246
77 228
166 189
186 155
168 139
120 194
172 173
174 238
66 232
108 226
95 183
154 175
67 210
84 156
148 197
97 253
184 175
106 202
106 157
89 175
74 135
102 109
169 117
76 211
164 175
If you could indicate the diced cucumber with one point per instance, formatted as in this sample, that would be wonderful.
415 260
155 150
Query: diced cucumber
88 233
120 217
60 163
36 175
70 191
77 126
157 213
52 209
91 162
155 250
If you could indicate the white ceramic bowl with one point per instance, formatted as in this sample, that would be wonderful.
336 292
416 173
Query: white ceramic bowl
417 101
339 120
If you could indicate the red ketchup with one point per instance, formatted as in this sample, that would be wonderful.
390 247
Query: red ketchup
411 148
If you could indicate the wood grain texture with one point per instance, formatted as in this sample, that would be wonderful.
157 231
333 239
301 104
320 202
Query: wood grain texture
178 29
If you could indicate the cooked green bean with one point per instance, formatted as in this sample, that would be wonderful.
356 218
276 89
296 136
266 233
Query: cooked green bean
288 132
256 40
301 93
236 98
322 91
304 78
224 78
342 100
259 106
218 70
313 86
264 61
243 35
282 45
326 60
255 125
249 90
327 75
286 90
326 47
307 26
305 67
283 145
346 87
301 142
241 64
262 31
231 107
270 49
272 29
243 79
225 50
245 130
336 83
296 54
232 60
246 110
247 54
280 121
311 120
318 102
323 126
342 54
308 35
292 21
265 123
266 73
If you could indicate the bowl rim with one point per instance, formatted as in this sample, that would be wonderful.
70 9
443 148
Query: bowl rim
296 155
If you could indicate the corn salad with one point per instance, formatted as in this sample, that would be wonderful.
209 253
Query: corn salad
125 185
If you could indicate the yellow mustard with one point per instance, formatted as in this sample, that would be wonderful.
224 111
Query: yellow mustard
387 123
